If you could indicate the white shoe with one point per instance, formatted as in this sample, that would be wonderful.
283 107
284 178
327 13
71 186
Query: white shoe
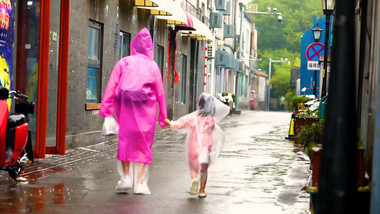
193 190
141 190
124 184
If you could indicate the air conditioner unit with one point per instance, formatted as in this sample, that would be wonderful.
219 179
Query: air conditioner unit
227 12
220 5
216 20
229 31
220 58
230 62
237 65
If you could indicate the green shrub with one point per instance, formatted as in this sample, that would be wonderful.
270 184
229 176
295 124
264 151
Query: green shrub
311 135
233 97
288 98
295 100
307 113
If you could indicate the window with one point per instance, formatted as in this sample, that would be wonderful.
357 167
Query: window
183 79
124 42
160 58
242 85
246 86
94 62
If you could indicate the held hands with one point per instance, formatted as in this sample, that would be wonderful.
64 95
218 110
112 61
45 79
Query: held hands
167 122
174 124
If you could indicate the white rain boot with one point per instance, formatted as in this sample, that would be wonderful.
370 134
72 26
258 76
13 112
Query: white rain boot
124 184
141 189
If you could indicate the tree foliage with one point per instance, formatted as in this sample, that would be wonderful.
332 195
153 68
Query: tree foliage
297 18
278 40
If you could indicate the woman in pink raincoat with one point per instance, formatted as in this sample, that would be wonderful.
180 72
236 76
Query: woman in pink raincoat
204 139
133 91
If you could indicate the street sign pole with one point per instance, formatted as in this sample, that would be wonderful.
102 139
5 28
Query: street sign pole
326 55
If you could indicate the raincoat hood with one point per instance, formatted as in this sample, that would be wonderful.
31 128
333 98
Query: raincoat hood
143 44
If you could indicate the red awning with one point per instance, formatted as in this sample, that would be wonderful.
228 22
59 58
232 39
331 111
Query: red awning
178 17
189 24
201 32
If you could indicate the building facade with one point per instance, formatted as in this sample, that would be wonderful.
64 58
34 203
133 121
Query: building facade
63 53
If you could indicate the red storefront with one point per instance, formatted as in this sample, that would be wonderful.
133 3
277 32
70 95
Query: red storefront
33 38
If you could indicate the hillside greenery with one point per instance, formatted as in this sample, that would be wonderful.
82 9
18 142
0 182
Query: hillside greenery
278 40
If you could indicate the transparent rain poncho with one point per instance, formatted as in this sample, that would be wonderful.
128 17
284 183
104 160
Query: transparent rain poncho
205 138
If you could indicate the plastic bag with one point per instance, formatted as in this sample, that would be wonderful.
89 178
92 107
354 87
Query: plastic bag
110 127
219 139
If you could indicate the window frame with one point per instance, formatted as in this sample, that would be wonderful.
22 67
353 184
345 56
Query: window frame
95 63
209 4
160 50
183 79
122 36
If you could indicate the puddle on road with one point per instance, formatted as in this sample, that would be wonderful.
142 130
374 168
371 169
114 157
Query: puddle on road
33 174
16 198
37 196
32 196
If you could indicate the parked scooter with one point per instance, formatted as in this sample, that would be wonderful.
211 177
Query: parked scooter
14 131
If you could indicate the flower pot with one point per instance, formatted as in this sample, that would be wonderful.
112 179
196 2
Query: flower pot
316 166
299 122
362 199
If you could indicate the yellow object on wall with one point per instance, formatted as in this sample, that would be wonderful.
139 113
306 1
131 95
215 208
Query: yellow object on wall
5 79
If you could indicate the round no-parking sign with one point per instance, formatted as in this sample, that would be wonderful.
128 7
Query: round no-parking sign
314 50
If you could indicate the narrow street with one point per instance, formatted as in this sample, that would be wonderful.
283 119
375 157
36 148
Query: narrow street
258 172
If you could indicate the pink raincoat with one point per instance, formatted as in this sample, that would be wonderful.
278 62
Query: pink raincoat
133 91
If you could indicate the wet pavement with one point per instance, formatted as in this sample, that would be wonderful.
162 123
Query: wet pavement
258 171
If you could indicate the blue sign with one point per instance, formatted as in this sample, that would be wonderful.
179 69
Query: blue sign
310 51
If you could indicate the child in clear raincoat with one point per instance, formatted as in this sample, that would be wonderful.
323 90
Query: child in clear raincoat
204 139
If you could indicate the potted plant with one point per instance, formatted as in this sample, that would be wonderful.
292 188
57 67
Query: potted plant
304 117
311 138
296 101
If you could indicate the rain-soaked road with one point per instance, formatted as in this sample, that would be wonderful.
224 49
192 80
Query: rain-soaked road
257 172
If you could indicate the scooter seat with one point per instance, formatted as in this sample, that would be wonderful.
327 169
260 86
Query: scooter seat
15 120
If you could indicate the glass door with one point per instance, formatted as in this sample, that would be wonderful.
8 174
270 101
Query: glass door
42 70
51 131
28 31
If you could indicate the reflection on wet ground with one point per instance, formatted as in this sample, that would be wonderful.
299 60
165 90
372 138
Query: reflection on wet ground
21 198
36 194
40 171
258 171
